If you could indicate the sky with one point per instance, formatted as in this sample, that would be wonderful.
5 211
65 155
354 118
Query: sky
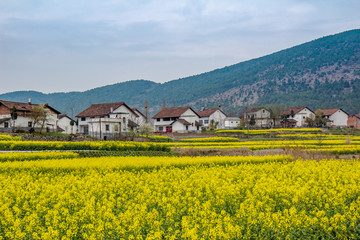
76 45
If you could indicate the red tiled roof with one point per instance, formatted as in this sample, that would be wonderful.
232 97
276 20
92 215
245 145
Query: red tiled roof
294 109
102 109
64 115
25 107
183 121
331 111
172 112
208 112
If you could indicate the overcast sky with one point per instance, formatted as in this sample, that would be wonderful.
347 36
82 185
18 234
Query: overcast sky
76 45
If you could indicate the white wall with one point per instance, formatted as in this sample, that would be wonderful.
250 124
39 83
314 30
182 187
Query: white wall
301 116
64 123
339 118
231 123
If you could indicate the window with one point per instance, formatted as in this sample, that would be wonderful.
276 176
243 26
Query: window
201 121
6 124
82 119
206 121
107 127
124 120
161 129
158 119
187 127
116 128
166 119
29 124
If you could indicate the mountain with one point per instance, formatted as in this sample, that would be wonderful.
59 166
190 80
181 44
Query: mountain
323 73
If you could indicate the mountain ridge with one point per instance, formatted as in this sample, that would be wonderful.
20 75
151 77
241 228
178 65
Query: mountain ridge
322 73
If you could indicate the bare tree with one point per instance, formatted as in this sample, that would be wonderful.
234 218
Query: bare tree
38 115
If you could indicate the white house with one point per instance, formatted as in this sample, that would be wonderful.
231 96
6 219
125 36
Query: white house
214 115
179 119
296 116
260 115
337 116
231 122
107 120
64 124
23 121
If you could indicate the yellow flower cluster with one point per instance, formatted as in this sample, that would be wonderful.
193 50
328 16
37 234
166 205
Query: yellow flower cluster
9 138
157 138
85 145
311 144
317 136
211 139
267 131
25 156
272 200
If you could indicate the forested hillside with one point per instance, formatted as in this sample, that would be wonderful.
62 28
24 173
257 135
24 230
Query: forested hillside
322 73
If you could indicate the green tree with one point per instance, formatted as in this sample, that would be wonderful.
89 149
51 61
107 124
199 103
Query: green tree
14 116
252 120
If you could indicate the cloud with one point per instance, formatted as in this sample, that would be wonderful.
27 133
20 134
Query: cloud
138 38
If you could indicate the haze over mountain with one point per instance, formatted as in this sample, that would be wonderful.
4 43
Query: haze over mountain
324 73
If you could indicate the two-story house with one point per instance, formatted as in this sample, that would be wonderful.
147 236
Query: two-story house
296 116
179 119
213 117
107 120
260 115
24 122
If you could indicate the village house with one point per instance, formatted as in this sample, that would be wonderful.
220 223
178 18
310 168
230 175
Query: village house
336 116
213 117
179 119
353 121
231 122
108 120
296 116
23 121
64 124
260 115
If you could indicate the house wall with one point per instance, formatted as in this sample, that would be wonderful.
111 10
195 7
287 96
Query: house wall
231 123
219 117
179 127
205 121
353 122
64 123
339 118
301 116
117 121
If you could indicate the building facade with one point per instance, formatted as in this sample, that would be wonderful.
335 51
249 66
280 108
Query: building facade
261 117
24 121
214 118
298 114
336 116
107 120
353 121
179 119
